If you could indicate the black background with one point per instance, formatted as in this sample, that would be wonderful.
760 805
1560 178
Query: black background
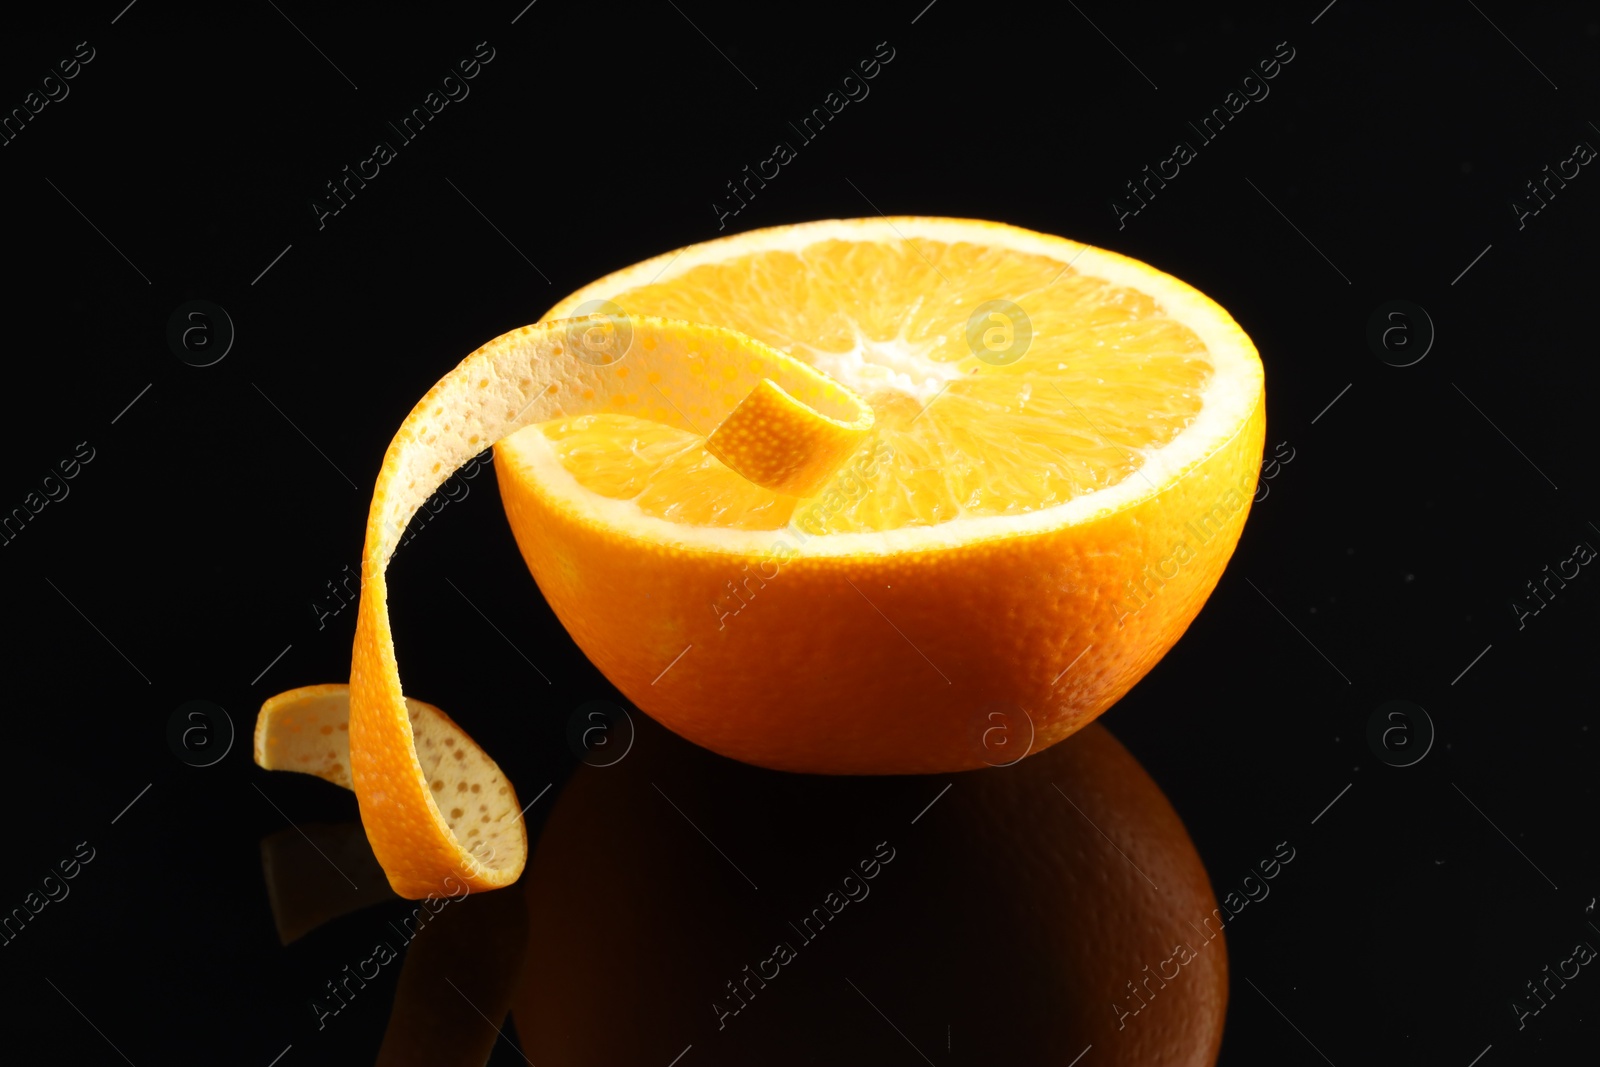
1380 565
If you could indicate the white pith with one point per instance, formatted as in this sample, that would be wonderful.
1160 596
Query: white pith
1227 399
899 365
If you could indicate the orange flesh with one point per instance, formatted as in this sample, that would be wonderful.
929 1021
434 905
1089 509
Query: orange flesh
1106 375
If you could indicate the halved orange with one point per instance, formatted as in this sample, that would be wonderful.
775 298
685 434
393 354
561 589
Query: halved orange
833 497
1064 449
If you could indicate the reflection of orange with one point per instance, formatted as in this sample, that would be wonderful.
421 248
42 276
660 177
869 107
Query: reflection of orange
1008 925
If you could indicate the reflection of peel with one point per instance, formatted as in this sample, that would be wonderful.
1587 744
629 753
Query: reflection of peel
456 985
461 962
316 873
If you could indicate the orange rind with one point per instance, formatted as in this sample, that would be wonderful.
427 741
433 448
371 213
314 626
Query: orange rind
437 809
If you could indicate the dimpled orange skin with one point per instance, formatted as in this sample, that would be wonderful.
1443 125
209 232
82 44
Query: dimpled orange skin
889 664
401 820
775 441
395 807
